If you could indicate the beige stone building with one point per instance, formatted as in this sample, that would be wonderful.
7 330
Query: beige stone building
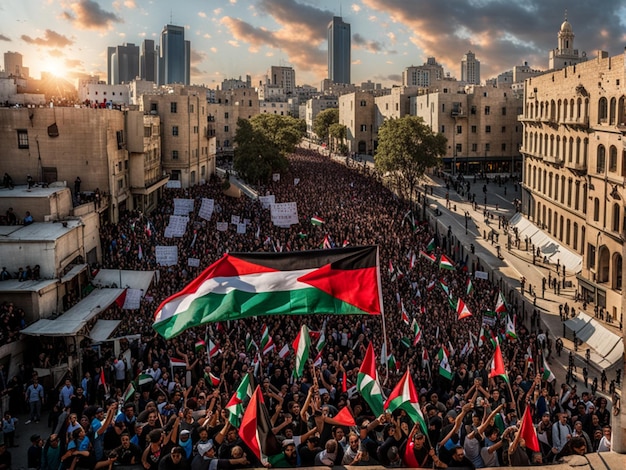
185 139
480 123
575 169
357 112
394 105
422 75
225 109
61 144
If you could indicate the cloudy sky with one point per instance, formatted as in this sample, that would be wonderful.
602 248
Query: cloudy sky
232 38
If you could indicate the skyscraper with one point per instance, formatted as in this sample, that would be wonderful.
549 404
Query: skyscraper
175 56
470 69
122 64
148 61
339 50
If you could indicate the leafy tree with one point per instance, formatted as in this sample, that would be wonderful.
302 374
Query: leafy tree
406 148
338 132
323 121
285 132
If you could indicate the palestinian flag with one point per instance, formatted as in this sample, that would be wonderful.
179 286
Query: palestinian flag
144 379
445 287
250 342
529 355
547 373
406 342
461 310
482 337
175 362
412 260
215 381
431 245
284 352
500 304
497 365
444 366
452 303
317 362
200 345
404 397
267 343
392 363
242 285
256 429
326 244
315 220
405 315
236 403
344 417
129 393
301 346
322 341
429 257
470 286
430 286
510 328
367 382
528 432
417 332
446 263
213 349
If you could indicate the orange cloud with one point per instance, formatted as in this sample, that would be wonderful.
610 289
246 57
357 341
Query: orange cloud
50 39
87 14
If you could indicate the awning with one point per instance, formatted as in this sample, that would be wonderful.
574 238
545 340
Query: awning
121 278
548 247
607 346
102 330
75 271
72 321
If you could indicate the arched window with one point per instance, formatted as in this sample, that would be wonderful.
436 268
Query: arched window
544 181
613 158
612 111
575 244
601 160
617 271
568 230
556 187
562 189
616 217
603 264
549 185
596 209
602 110
570 149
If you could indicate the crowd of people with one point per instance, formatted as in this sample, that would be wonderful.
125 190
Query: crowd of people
177 417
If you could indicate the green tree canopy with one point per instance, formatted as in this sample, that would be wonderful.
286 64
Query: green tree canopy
406 148
323 121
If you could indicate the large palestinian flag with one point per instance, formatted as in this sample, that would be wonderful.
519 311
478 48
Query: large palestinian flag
256 428
240 285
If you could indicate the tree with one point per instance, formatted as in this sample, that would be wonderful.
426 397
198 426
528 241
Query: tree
323 121
285 132
406 148
339 132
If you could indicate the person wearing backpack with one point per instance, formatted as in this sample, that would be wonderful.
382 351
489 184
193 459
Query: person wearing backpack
561 433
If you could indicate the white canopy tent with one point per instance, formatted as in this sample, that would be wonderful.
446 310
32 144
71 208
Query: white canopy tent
607 346
122 278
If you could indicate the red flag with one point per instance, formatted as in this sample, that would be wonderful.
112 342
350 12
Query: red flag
256 429
344 383
345 417
497 365
528 432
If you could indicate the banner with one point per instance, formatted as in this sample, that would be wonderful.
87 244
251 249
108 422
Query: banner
222 226
173 184
241 228
166 255
193 262
267 201
489 318
235 219
133 299
206 209
183 206
177 226
284 214
481 275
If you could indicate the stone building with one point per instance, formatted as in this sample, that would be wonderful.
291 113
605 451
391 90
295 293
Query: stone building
225 109
186 147
422 75
357 113
575 169
480 123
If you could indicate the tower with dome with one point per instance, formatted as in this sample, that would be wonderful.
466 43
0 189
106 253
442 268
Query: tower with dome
565 54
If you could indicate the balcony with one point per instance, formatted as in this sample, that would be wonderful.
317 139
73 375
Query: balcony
576 166
555 160
581 123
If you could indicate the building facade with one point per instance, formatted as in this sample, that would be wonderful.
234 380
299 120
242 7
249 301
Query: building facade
575 169
422 75
284 77
339 53
565 54
224 111
357 112
174 56
122 64
148 61
470 69
13 66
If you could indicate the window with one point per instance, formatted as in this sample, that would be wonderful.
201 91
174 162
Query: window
173 108
488 129
225 115
459 129
120 184
363 103
487 110
487 147
601 162
591 256
596 209
474 147
503 148
613 158
120 139
22 139
473 110
225 128
443 129
459 148
503 129
174 154
504 111
443 107
175 130
147 131
474 130
191 109
195 129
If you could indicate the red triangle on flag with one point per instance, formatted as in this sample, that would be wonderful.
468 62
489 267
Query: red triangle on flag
344 417
256 428
528 432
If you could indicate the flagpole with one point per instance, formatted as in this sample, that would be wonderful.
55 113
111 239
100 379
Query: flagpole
508 382
382 309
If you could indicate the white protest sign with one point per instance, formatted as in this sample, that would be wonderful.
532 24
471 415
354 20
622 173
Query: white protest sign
173 184
246 221
296 181
481 275
206 209
183 206
193 262
166 255
241 228
177 226
276 177
222 226
133 299
235 219
284 214
267 201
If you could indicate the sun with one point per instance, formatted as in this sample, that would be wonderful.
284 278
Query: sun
54 66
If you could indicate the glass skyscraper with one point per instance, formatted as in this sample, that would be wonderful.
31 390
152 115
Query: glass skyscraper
175 56
339 51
